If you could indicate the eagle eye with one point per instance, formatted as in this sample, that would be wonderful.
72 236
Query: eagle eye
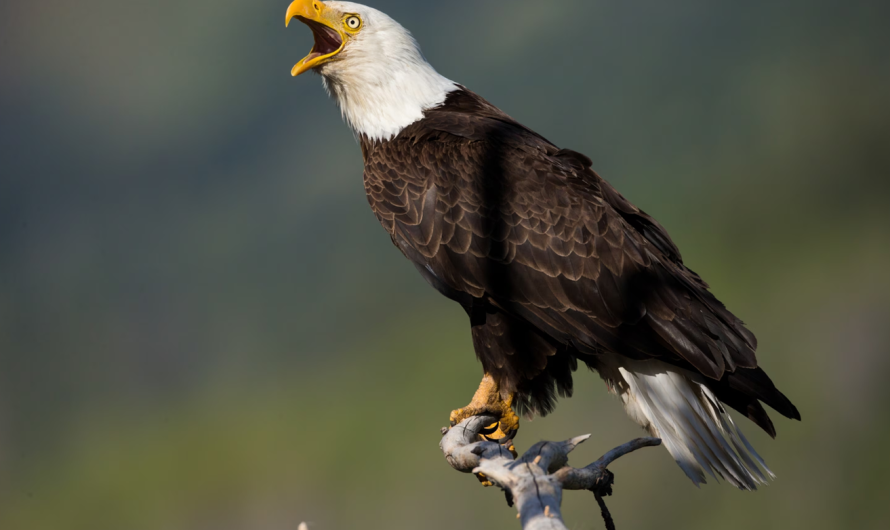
353 23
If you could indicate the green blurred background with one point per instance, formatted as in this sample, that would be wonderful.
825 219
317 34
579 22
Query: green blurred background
202 325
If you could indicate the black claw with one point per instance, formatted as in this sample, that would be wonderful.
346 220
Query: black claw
502 441
506 439
486 430
512 434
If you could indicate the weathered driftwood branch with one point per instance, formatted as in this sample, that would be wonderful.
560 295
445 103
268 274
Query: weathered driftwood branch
535 481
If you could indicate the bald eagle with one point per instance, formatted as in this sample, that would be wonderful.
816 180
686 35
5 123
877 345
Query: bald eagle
551 264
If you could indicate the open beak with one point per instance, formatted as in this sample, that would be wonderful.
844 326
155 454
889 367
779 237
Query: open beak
325 24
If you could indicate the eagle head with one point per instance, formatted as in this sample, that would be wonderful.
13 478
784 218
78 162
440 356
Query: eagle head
370 65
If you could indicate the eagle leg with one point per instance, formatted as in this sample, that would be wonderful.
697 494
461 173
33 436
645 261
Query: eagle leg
489 400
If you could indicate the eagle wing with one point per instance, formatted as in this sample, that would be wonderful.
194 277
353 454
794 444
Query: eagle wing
491 211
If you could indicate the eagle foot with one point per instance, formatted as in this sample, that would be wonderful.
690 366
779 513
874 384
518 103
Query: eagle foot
488 401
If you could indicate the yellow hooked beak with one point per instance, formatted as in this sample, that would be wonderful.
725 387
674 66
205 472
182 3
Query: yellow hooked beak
326 27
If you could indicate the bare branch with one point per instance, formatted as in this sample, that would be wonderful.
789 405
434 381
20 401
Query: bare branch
536 480
463 451
590 477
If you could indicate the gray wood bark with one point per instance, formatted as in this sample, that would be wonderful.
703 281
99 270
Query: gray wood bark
535 481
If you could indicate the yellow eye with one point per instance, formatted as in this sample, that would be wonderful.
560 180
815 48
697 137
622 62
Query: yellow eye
353 22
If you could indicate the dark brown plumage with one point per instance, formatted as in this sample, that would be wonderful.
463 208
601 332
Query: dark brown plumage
549 261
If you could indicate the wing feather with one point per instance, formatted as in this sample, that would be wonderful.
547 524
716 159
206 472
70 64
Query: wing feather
497 213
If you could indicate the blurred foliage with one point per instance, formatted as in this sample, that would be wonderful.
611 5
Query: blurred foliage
202 326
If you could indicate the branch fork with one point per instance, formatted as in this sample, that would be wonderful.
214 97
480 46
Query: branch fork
535 481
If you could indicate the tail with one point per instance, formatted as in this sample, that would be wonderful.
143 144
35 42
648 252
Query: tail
693 424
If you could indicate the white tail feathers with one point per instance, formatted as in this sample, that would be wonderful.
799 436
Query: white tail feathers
693 424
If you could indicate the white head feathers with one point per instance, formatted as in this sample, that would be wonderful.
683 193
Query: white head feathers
381 80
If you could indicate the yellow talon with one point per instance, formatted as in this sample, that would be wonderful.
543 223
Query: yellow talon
489 400
484 480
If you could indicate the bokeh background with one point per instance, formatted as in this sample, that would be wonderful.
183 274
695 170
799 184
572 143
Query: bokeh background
202 325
